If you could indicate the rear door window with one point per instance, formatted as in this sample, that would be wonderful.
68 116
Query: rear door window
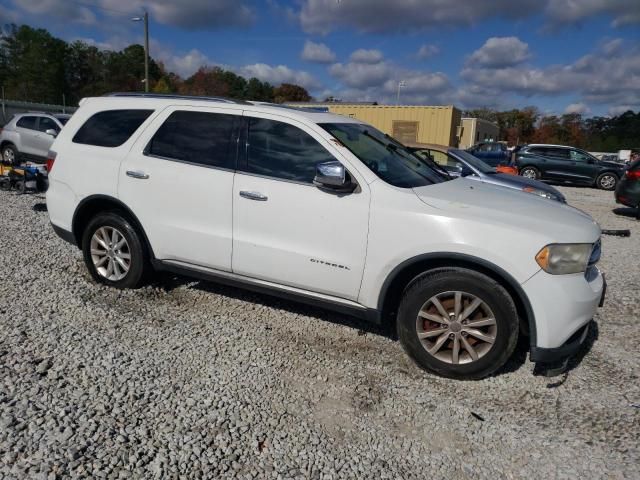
27 122
202 138
110 128
277 149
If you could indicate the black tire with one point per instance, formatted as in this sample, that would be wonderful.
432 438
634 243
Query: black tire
139 258
607 181
5 184
534 173
12 152
494 296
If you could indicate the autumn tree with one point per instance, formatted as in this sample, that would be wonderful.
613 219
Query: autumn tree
290 93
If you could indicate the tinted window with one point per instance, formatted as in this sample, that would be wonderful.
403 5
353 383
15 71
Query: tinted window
558 153
390 161
27 122
47 124
111 128
63 120
197 137
281 150
578 156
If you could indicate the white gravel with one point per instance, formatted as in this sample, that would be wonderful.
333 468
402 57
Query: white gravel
186 379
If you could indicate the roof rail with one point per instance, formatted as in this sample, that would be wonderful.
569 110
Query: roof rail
172 96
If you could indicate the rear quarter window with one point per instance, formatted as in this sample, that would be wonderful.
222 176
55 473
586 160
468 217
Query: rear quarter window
110 128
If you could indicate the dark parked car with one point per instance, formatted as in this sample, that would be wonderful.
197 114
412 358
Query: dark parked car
491 153
563 164
628 191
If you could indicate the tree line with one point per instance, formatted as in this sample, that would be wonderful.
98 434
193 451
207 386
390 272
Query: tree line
596 134
37 67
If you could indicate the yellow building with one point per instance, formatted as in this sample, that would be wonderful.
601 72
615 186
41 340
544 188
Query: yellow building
476 130
406 123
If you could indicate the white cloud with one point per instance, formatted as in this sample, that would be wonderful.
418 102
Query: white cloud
379 82
58 8
498 52
620 109
366 56
322 16
317 53
361 75
184 65
623 12
596 78
427 51
277 74
580 108
188 14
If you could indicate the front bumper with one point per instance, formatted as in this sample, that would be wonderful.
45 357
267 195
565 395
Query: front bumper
563 307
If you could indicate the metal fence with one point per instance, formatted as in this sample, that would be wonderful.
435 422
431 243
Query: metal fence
10 107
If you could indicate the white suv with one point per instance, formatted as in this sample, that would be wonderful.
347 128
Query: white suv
324 209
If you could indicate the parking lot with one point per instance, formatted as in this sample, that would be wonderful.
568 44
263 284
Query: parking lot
191 378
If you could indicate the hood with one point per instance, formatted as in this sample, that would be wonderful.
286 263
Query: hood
517 180
480 201
619 166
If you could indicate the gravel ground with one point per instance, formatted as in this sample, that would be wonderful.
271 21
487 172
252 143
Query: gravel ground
187 379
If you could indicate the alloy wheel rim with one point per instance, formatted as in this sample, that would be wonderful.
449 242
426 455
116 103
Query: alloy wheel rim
528 173
607 181
456 327
110 253
8 155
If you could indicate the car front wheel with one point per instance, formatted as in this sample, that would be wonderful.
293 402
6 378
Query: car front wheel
607 181
9 154
458 323
530 172
114 251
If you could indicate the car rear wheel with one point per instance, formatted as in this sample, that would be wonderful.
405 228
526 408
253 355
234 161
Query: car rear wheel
530 172
458 323
114 252
9 154
607 181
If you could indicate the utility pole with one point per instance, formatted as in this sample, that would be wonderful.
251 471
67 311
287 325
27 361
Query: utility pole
401 84
145 19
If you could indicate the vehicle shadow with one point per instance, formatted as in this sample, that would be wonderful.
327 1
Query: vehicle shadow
626 212
169 282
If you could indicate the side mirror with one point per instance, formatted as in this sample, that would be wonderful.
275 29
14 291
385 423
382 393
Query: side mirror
463 170
333 176
51 132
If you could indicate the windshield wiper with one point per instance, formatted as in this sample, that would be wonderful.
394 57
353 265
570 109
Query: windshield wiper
385 145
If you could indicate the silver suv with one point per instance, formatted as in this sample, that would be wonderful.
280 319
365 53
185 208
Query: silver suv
30 135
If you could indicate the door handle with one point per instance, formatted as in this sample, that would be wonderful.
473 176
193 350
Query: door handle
136 174
253 196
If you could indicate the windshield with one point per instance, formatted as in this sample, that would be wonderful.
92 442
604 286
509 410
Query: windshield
389 160
63 120
475 162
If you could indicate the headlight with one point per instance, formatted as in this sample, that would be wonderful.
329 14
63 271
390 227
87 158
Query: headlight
541 193
564 258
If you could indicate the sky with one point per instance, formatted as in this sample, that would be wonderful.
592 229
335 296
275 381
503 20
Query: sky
562 56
